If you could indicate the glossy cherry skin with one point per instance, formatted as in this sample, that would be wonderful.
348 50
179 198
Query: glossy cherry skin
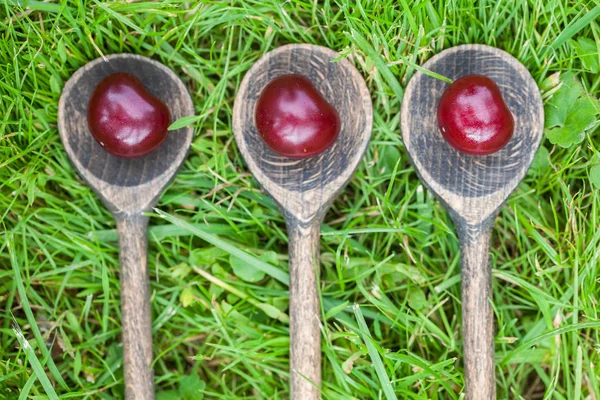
294 119
125 118
473 117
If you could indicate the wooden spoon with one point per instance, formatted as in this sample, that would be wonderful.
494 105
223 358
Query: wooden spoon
304 189
128 188
473 188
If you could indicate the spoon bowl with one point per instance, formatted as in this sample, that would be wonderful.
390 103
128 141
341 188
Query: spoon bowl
473 188
128 187
124 185
305 188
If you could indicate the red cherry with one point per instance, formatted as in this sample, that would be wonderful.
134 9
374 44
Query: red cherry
294 119
125 118
473 117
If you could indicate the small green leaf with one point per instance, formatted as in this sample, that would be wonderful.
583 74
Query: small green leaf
54 84
274 312
232 298
587 50
183 122
540 161
564 137
206 256
595 176
550 82
336 310
62 51
348 365
232 313
582 114
180 271
557 108
114 355
191 387
388 159
77 363
245 271
168 395
215 290
187 296
270 257
417 299
570 112
412 273
282 303
219 271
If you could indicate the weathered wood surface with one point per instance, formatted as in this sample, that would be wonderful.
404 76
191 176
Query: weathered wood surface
304 189
128 187
473 188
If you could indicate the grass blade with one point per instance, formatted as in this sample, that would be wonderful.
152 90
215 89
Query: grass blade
268 269
33 5
30 317
374 354
383 69
575 27
38 370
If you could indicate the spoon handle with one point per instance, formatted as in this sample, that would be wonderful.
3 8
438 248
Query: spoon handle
135 307
305 334
477 311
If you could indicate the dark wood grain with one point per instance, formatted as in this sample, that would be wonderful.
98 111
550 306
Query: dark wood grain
128 188
478 318
304 189
473 188
135 307
305 355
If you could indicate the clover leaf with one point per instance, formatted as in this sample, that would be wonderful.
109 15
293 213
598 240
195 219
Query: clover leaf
570 112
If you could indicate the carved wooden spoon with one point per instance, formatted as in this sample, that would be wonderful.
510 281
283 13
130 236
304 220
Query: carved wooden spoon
473 188
128 187
304 189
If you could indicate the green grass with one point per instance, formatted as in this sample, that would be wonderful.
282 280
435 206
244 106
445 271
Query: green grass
387 244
